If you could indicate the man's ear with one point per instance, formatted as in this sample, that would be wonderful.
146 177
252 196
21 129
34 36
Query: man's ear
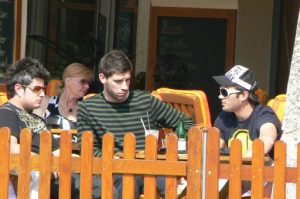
245 95
102 78
19 89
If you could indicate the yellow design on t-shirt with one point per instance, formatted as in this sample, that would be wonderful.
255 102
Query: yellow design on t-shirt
243 136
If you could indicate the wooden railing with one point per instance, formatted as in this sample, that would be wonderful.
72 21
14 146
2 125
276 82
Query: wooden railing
172 168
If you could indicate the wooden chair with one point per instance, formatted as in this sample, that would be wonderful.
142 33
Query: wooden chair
192 102
262 95
3 97
278 105
89 95
3 88
52 87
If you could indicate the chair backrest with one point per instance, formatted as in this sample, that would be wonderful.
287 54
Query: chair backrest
3 88
262 95
3 97
278 105
89 95
52 87
192 102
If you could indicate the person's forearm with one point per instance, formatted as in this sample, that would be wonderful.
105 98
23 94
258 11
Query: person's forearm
14 148
268 143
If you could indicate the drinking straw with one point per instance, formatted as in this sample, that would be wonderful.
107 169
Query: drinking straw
143 124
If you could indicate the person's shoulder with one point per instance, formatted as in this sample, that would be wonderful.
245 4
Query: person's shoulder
7 107
261 109
95 99
139 95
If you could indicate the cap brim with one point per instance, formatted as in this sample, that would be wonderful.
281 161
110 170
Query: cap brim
223 81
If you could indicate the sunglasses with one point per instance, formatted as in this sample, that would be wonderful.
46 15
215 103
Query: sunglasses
82 81
226 92
36 89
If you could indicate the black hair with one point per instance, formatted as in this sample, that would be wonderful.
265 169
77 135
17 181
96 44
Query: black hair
23 72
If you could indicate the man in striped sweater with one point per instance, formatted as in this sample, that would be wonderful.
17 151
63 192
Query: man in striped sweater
119 110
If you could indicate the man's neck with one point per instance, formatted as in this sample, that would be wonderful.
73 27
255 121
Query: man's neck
16 102
244 112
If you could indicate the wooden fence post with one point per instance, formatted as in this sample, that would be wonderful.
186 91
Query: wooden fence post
129 153
4 161
257 169
150 180
45 164
86 165
194 163
65 165
172 155
235 169
24 164
107 158
279 170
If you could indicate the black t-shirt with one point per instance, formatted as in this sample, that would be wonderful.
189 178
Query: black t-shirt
17 119
229 126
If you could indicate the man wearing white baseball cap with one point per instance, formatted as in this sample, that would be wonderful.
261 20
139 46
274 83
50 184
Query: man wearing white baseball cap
242 116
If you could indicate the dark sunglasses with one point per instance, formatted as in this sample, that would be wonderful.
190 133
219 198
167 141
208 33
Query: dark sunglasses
36 89
226 92
82 81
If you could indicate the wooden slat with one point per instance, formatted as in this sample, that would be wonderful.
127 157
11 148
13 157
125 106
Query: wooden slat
194 165
257 182
172 155
59 131
212 165
279 170
236 169
107 157
24 166
65 165
4 161
86 165
150 180
45 169
129 153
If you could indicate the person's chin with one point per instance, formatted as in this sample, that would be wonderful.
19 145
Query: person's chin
37 105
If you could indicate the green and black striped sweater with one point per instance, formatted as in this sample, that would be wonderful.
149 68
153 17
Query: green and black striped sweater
100 116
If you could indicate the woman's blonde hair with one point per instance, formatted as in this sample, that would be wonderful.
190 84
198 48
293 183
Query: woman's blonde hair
77 70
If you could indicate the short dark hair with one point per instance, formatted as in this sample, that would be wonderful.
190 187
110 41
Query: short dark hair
114 62
23 72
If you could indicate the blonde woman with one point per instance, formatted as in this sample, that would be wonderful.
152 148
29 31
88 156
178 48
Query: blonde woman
60 111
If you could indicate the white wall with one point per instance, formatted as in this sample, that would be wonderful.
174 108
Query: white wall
253 34
253 38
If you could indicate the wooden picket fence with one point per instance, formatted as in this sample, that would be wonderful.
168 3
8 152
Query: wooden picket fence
149 167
